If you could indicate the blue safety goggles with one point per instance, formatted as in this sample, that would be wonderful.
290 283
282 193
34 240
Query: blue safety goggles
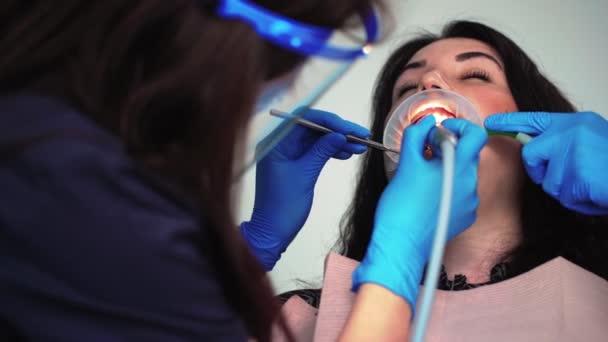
307 40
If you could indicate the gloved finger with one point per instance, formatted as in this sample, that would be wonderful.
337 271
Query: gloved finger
587 208
525 122
554 177
354 148
536 155
576 195
471 138
297 141
336 123
575 191
414 140
581 194
342 155
536 172
321 151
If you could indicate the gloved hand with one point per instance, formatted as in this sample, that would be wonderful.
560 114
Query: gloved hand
568 156
406 216
286 178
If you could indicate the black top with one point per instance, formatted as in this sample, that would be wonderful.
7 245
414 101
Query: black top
498 273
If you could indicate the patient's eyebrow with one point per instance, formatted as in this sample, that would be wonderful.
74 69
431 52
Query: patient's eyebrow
476 54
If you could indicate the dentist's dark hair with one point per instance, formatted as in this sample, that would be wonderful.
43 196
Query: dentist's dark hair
549 229
177 85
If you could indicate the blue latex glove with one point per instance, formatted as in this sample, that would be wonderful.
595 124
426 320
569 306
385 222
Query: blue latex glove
406 216
568 156
285 182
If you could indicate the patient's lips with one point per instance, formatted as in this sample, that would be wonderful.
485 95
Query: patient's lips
439 113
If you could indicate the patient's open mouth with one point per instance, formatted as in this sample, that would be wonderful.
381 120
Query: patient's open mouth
439 113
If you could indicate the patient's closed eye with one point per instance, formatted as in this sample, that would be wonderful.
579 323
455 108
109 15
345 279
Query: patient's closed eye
478 74
406 88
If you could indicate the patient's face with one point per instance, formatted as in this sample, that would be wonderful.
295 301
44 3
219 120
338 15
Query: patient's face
474 70
466 66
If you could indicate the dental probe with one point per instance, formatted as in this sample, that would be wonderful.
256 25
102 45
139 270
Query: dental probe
323 129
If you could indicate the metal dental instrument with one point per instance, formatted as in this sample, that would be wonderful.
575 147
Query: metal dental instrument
317 127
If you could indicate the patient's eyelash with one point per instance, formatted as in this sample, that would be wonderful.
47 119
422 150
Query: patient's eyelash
405 88
479 74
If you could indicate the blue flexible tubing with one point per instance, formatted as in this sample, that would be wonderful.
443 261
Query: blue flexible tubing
434 265
441 234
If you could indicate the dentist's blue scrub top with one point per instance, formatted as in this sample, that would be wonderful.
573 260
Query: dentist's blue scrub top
89 249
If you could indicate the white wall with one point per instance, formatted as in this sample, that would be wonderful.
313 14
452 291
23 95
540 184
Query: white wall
567 38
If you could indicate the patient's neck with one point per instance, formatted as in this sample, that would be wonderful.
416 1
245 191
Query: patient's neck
473 253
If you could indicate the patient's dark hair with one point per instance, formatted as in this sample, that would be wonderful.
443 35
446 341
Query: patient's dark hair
549 229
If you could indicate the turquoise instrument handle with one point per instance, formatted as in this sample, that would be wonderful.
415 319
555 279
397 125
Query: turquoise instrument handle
521 137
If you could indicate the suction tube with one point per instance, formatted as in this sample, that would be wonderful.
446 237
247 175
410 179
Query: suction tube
445 142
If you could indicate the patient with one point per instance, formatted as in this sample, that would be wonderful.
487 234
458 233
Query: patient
518 226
